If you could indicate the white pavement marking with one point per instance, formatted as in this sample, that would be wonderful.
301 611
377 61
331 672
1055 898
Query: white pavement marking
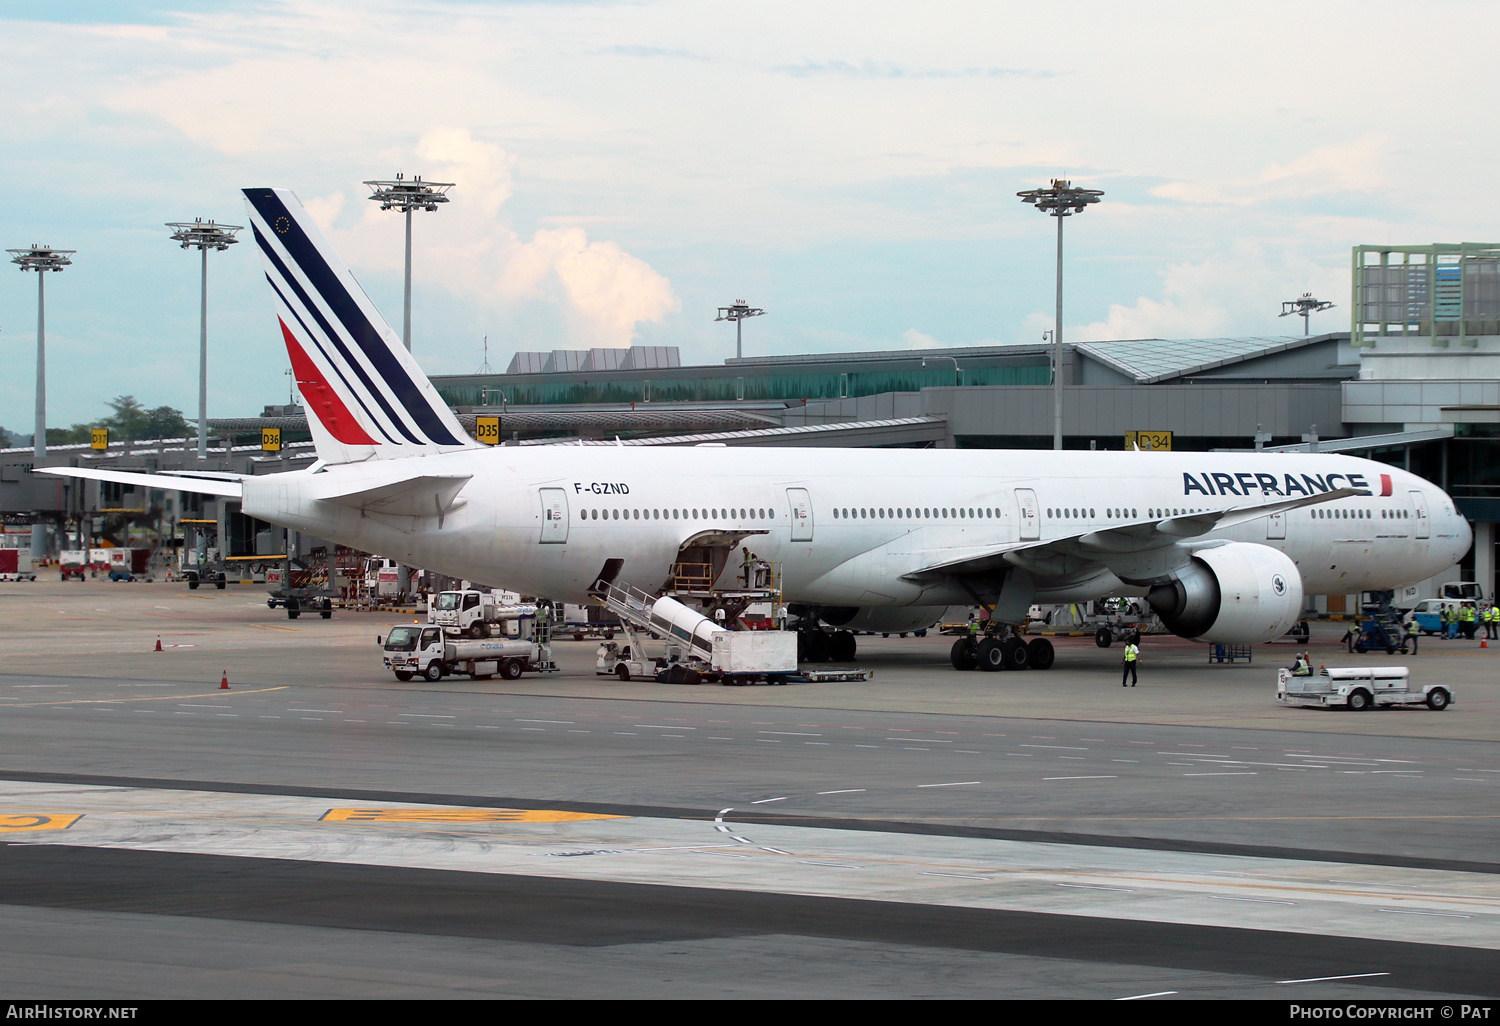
956 783
1107 777
1325 979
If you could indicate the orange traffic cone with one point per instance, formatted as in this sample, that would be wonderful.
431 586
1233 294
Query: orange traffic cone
1484 643
158 642
224 681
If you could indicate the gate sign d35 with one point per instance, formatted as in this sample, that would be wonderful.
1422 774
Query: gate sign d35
487 430
1149 441
99 438
270 439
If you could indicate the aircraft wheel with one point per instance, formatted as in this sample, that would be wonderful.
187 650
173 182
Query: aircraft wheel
814 646
1040 654
991 655
841 647
510 669
1103 638
963 655
1015 653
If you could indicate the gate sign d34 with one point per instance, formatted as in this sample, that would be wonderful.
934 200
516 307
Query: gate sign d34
270 439
1148 441
487 430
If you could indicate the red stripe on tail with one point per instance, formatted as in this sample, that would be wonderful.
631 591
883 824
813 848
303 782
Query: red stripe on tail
320 396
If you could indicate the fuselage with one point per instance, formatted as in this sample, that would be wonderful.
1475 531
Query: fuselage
846 524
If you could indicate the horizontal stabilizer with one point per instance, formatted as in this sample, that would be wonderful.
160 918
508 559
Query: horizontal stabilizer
424 496
196 485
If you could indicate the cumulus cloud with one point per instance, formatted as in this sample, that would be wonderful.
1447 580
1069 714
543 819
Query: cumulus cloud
603 291
1334 169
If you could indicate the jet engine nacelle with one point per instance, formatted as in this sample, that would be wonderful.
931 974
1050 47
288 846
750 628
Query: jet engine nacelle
882 619
1236 594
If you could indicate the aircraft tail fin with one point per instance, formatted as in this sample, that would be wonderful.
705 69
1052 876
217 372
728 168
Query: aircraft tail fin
365 396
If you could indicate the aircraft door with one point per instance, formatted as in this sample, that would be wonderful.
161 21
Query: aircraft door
1276 526
1031 521
1424 525
802 517
554 515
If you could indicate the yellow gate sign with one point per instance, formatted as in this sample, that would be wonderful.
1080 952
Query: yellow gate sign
270 439
1149 441
487 430
99 438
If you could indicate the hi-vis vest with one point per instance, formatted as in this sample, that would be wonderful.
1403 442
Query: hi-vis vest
1130 653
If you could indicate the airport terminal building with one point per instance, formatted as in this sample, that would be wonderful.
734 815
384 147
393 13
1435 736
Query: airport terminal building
1414 383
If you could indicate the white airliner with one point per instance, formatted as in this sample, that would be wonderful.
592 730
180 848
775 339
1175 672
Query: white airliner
1223 545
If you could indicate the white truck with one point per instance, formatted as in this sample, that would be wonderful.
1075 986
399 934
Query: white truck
422 650
1358 688
478 614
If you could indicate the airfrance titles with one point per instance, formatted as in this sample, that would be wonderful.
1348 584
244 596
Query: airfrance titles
1287 485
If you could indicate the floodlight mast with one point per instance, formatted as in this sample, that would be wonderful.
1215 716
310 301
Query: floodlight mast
203 236
1304 307
737 312
1060 200
408 194
41 259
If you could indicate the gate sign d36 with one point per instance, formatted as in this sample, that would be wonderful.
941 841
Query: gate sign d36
1148 441
487 430
270 439
99 438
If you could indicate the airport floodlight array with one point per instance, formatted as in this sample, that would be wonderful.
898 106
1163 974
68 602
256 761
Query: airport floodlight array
737 312
408 194
203 236
1059 200
1304 307
41 259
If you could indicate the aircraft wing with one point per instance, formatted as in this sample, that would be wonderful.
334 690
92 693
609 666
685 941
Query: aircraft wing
197 485
1096 546
423 496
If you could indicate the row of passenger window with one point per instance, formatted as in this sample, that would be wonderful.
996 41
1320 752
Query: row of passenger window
911 513
677 514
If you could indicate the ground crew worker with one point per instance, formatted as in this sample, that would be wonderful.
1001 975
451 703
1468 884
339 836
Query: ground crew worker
1470 620
1302 667
1412 631
1132 656
1494 615
747 565
1450 624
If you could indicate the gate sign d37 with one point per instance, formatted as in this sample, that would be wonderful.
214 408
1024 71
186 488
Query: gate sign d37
1148 441
270 439
99 438
487 430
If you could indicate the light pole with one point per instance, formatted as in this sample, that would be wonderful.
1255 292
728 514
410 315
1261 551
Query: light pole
737 312
408 194
958 373
203 236
1304 307
1059 200
41 259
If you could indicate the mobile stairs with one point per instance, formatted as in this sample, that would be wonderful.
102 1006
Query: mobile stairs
1381 626
671 643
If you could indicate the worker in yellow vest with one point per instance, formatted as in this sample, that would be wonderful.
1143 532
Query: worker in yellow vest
1132 656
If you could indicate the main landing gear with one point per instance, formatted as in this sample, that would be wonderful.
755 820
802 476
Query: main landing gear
993 652
819 646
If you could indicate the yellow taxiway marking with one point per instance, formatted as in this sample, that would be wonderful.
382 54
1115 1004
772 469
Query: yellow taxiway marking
274 627
220 693
458 816
38 821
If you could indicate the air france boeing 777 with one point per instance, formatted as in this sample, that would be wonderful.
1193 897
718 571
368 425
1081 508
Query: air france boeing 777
1223 545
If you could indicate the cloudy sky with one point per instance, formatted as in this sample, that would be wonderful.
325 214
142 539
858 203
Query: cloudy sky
624 168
